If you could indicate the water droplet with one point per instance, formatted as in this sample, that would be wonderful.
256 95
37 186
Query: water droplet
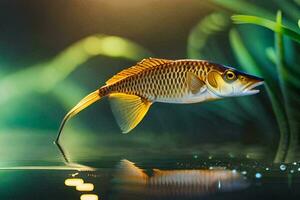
219 184
210 157
294 163
267 169
282 167
292 171
299 169
195 156
258 175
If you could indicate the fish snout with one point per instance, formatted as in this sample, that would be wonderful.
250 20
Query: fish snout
253 83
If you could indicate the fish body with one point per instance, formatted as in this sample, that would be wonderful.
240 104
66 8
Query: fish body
165 81
132 91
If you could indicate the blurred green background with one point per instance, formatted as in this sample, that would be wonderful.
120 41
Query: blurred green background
53 53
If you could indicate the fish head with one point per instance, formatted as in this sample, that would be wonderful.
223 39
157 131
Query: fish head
229 82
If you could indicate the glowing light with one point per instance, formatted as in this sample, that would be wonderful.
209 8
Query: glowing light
75 174
85 187
258 175
244 172
73 181
92 44
115 46
219 184
282 167
89 197
231 155
267 169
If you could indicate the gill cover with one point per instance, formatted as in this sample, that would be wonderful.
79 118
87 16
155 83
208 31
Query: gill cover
212 78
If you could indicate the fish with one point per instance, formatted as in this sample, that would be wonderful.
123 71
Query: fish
130 179
132 91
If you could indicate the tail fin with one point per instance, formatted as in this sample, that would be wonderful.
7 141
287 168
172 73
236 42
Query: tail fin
85 102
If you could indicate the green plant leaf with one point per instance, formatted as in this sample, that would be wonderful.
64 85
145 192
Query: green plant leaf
249 64
242 55
199 35
270 52
291 78
288 8
68 93
278 28
47 75
245 7
280 65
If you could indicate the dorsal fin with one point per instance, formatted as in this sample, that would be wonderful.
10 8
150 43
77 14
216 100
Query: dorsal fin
139 67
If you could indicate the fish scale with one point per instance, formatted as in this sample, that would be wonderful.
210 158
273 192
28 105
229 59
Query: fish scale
166 82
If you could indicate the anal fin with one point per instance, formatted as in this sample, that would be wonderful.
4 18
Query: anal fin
128 110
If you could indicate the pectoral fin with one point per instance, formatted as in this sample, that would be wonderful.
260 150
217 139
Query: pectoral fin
128 110
195 84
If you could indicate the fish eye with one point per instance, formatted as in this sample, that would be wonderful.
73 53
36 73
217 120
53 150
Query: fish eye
230 75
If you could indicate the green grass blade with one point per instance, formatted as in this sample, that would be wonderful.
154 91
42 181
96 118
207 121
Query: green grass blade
297 2
281 67
209 26
283 126
278 28
291 78
245 7
242 55
289 9
271 54
249 64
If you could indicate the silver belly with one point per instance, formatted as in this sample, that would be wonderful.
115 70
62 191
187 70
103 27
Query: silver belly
188 98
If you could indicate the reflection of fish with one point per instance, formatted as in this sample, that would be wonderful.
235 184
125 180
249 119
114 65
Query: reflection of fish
130 178
133 90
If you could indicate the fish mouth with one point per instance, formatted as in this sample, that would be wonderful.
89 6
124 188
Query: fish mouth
249 88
